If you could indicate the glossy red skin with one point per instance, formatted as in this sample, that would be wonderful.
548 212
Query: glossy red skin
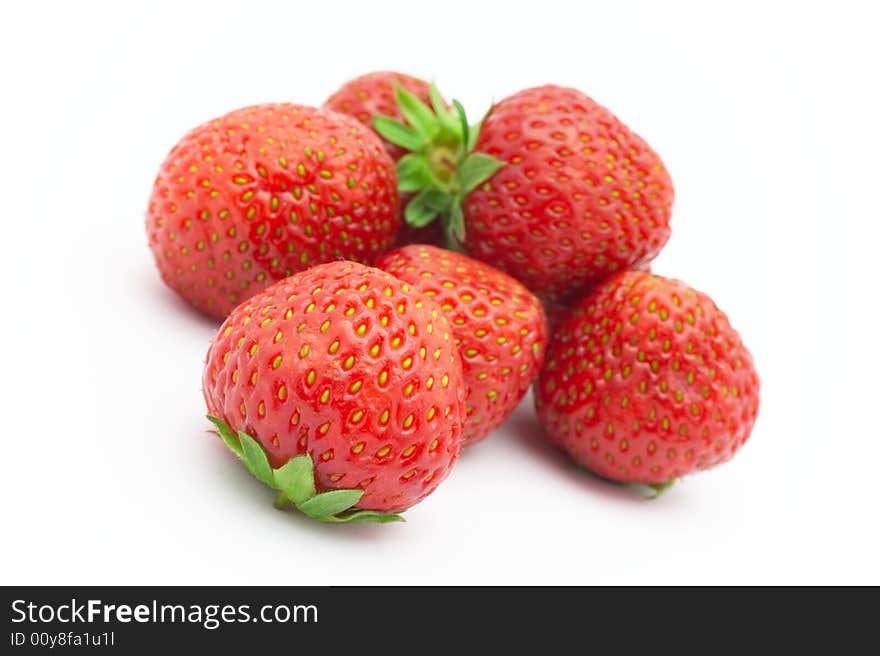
372 95
232 211
580 197
688 403
396 464
498 325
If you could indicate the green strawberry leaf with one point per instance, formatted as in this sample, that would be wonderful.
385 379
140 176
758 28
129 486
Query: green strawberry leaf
455 226
660 488
296 479
437 102
417 113
282 502
295 482
465 128
227 435
474 132
255 459
330 503
413 173
476 169
365 516
425 207
398 133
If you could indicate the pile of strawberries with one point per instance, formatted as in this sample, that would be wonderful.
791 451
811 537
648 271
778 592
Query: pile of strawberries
385 271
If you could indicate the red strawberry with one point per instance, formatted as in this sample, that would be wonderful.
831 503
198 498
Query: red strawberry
497 323
264 192
647 381
551 187
351 366
372 95
580 198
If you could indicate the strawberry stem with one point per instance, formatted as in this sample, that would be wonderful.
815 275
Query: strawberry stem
295 483
441 167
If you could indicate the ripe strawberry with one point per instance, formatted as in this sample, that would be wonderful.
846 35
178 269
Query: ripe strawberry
264 192
372 95
352 367
580 198
498 326
647 381
551 187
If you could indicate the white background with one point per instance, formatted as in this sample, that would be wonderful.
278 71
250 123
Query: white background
767 116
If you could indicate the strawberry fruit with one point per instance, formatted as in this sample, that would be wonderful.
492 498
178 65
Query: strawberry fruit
374 94
647 381
498 326
263 192
351 367
550 187
581 197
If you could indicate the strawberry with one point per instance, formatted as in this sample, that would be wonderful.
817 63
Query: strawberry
647 381
352 367
264 192
581 196
497 323
372 95
553 189
349 370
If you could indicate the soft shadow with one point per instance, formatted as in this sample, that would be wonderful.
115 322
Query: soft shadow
525 429
153 290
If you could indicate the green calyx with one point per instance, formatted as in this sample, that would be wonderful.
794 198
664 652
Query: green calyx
295 483
441 168
643 490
